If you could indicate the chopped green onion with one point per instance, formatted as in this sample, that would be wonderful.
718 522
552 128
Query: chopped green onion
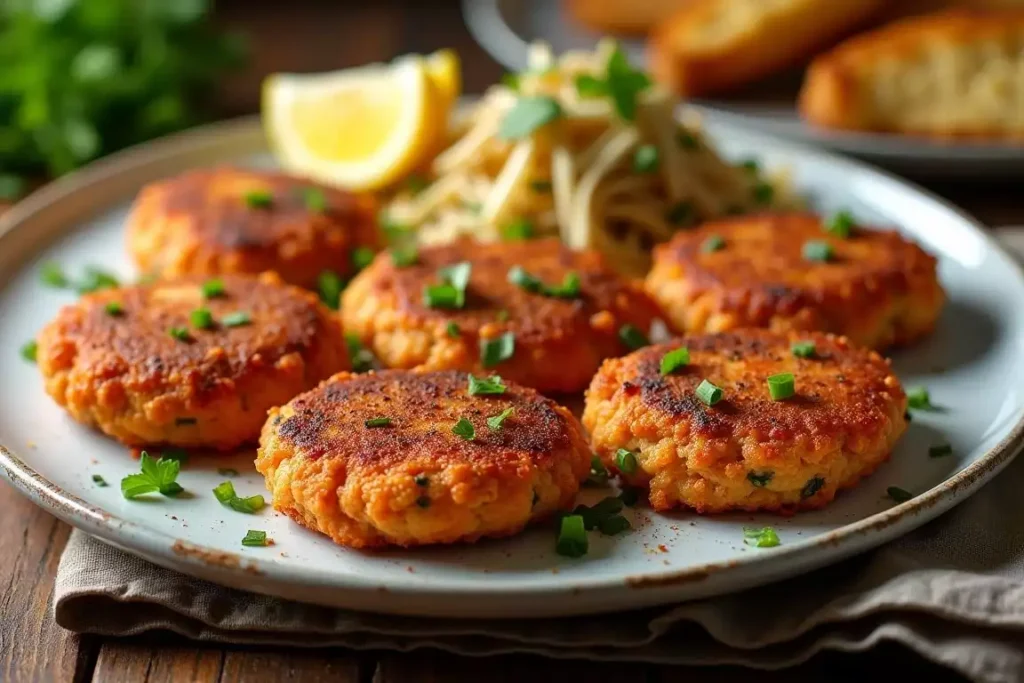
709 393
812 486
213 288
598 472
259 199
804 349
378 422
781 386
625 460
940 450
632 337
494 422
329 285
760 480
404 256
99 481
764 193
527 115
918 398
465 429
614 524
362 257
156 476
572 537
598 512
255 538
179 333
29 350
225 493
569 288
712 244
360 358
764 537
673 360
899 495
314 199
453 330
840 224
517 231
484 386
818 251
645 159
236 319
96 279
52 275
201 318
494 351
680 213
452 293
114 309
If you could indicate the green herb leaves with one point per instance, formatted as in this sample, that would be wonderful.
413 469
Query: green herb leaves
29 350
494 422
821 252
255 538
673 360
569 289
918 398
804 349
451 294
156 476
494 351
527 115
486 386
621 82
632 337
765 537
465 429
213 288
329 286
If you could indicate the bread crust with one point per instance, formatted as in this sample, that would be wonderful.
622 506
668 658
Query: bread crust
616 16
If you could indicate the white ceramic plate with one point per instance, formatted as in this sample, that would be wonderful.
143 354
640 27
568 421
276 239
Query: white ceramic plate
505 28
974 366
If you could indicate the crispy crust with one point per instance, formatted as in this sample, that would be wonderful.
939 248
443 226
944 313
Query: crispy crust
880 290
952 74
559 342
199 223
710 46
616 16
414 482
127 376
843 422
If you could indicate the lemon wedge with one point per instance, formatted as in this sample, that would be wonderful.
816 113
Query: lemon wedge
362 128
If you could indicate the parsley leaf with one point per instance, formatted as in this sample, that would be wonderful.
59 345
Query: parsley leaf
494 422
486 386
528 114
156 476
465 429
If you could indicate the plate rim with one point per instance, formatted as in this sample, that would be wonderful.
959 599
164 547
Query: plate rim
254 574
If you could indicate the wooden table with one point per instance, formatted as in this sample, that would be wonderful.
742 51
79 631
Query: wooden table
311 36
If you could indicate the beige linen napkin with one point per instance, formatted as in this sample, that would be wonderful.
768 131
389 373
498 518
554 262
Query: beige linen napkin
953 591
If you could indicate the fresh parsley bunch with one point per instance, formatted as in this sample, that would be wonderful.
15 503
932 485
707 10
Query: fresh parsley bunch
82 78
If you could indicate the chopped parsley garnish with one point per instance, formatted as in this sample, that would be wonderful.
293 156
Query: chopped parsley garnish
840 224
709 393
362 257
494 422
680 213
484 386
201 318
378 422
179 333
518 230
225 493
781 386
360 357
818 251
29 350
632 337
899 495
329 285
255 538
259 199
52 275
594 516
812 486
527 115
673 360
588 85
453 330
465 429
314 199
236 319
494 351
645 159
764 193
572 537
156 476
804 349
569 288
624 84
765 537
712 244
940 451
227 472
625 460
452 292
213 288
760 480
96 279
114 309
918 398
99 481
598 472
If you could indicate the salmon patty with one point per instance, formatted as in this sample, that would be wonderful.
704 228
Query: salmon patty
228 220
188 363
794 272
708 434
536 312
406 458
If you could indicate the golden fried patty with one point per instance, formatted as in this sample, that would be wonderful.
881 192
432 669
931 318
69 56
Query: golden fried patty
747 451
134 363
559 341
408 479
228 220
877 288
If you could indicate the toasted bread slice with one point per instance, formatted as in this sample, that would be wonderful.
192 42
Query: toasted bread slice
712 45
953 74
623 16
